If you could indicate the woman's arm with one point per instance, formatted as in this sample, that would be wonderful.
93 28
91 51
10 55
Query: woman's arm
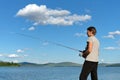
87 50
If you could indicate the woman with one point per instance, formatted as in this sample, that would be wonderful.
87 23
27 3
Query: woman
90 54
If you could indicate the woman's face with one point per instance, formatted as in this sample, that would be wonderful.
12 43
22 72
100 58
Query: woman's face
89 33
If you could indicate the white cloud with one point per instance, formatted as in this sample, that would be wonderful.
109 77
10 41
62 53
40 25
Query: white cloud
20 51
102 60
13 56
1 55
41 15
112 48
109 36
16 56
79 35
31 28
112 34
115 33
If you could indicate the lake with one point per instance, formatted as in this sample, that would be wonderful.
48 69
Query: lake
54 73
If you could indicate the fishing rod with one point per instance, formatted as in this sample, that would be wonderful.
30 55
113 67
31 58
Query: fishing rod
58 44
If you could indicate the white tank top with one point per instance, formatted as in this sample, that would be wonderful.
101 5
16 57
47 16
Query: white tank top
93 56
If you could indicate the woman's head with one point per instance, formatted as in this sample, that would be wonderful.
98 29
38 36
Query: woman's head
91 31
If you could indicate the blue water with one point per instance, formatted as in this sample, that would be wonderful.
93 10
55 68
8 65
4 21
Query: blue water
54 73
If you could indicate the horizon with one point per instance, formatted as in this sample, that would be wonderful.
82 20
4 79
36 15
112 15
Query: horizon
59 62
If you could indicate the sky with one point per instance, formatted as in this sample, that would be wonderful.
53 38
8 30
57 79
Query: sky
59 21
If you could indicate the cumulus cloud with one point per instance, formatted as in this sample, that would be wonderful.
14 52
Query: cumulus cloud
42 15
112 34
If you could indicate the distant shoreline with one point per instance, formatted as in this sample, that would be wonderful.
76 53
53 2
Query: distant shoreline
61 64
8 64
66 64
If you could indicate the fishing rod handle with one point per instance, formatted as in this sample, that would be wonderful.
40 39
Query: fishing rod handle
80 51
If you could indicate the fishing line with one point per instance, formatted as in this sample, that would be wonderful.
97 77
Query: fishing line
58 44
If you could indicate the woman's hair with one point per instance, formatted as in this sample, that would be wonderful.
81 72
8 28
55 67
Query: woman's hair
92 29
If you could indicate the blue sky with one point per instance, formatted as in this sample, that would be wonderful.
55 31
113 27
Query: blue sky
63 22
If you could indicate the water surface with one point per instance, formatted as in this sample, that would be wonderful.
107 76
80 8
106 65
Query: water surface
54 73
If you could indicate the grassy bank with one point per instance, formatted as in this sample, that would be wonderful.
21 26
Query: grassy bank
8 64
